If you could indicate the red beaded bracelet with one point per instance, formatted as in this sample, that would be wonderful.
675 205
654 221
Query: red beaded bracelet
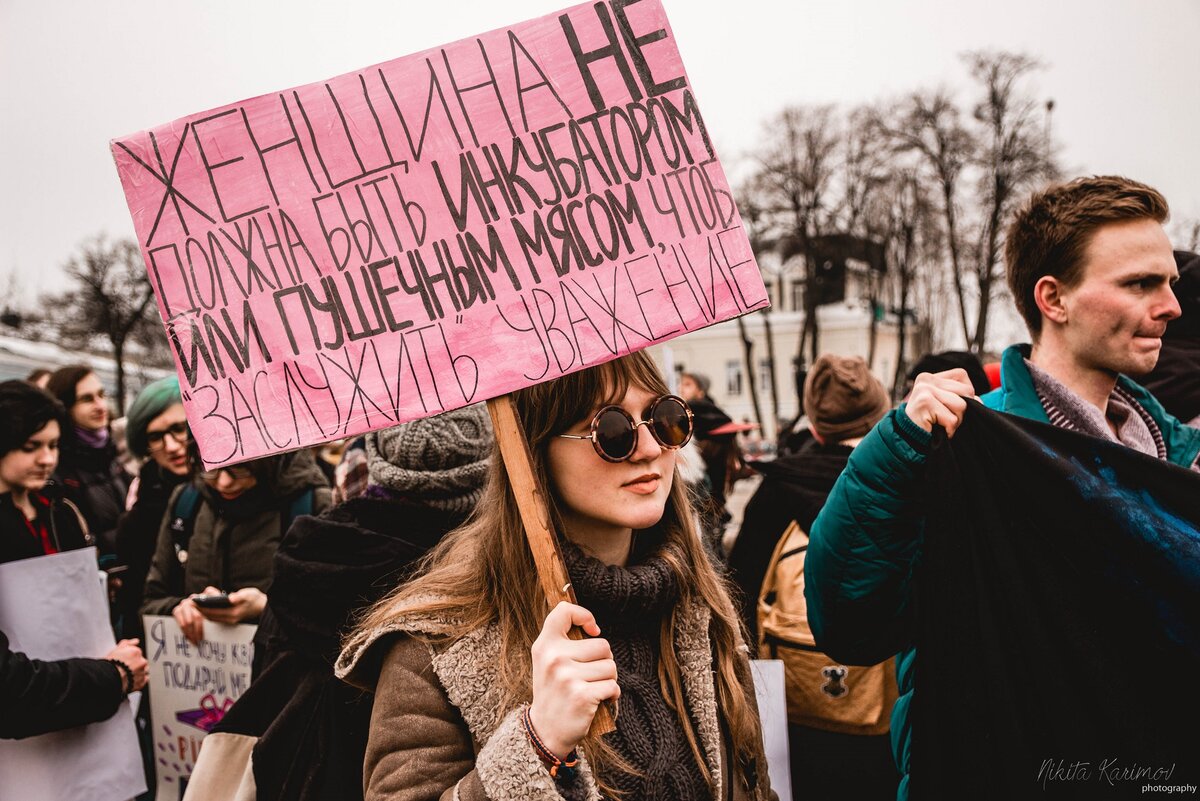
557 767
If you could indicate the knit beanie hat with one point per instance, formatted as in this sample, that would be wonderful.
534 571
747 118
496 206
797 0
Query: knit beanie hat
842 399
439 461
152 401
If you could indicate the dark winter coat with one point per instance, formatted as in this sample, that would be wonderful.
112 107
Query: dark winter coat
794 487
39 697
233 543
94 481
137 537
310 728
62 519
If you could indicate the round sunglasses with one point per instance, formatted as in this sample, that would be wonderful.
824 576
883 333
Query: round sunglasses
614 431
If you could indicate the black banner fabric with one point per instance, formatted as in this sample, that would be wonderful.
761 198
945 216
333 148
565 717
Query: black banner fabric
1057 606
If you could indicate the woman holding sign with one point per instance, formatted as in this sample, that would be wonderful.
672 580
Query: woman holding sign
481 694
41 696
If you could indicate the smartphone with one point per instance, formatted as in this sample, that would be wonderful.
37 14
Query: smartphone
218 601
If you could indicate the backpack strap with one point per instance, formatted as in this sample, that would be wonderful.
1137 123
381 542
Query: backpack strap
183 520
766 595
302 504
785 547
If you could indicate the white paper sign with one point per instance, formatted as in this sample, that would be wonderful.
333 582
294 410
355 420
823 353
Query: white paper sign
191 689
772 711
52 607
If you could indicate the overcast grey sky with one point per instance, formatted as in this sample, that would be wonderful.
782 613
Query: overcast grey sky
1124 74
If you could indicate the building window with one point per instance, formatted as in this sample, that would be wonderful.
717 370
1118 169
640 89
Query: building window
798 295
764 375
733 377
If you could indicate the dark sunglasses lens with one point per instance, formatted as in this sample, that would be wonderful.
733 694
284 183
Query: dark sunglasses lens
614 434
671 424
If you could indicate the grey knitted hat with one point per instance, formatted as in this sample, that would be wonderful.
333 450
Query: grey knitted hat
438 461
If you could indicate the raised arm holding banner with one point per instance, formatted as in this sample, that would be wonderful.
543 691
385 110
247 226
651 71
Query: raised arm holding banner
437 230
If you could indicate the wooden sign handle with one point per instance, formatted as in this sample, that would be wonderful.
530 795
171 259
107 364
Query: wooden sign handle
535 514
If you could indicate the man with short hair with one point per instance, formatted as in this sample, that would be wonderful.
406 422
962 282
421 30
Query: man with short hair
1090 269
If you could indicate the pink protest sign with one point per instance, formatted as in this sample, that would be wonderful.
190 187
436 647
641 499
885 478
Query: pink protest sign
436 230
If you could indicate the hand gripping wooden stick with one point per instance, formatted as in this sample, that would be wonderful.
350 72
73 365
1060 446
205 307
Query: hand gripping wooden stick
531 501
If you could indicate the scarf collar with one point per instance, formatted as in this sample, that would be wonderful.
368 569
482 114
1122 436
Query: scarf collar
93 439
646 589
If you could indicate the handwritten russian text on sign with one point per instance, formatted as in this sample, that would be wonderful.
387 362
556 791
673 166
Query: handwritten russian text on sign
191 689
436 230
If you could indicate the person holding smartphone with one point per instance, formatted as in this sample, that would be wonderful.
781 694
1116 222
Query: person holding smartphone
217 540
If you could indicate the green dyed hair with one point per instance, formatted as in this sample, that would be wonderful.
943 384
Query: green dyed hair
155 399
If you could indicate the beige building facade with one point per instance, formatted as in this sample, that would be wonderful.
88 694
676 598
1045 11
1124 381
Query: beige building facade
845 329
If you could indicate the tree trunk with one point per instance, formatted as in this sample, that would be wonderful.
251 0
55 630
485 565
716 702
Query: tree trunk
770 335
986 275
119 358
955 258
748 356
902 332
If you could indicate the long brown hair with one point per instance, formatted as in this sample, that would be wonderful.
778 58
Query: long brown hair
481 572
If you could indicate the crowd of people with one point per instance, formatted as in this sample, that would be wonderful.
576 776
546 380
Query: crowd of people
400 652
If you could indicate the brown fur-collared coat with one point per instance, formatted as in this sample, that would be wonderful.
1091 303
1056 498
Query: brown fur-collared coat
438 732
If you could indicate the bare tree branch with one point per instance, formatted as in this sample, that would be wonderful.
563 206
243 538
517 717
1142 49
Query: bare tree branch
112 298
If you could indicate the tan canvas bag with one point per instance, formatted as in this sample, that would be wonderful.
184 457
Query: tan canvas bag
821 693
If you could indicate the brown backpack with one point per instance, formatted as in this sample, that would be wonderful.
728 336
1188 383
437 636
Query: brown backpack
821 694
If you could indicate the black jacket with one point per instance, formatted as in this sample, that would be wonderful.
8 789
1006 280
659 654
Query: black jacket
62 522
137 536
39 697
794 487
312 728
94 481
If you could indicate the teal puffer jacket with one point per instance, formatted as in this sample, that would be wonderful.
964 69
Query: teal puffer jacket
866 541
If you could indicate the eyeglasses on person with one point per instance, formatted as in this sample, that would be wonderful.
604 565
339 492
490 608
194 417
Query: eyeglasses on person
235 472
176 431
614 431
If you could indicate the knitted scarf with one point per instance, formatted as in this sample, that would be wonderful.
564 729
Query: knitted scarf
630 604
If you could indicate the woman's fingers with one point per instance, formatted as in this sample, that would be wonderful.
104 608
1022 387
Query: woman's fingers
600 670
565 616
